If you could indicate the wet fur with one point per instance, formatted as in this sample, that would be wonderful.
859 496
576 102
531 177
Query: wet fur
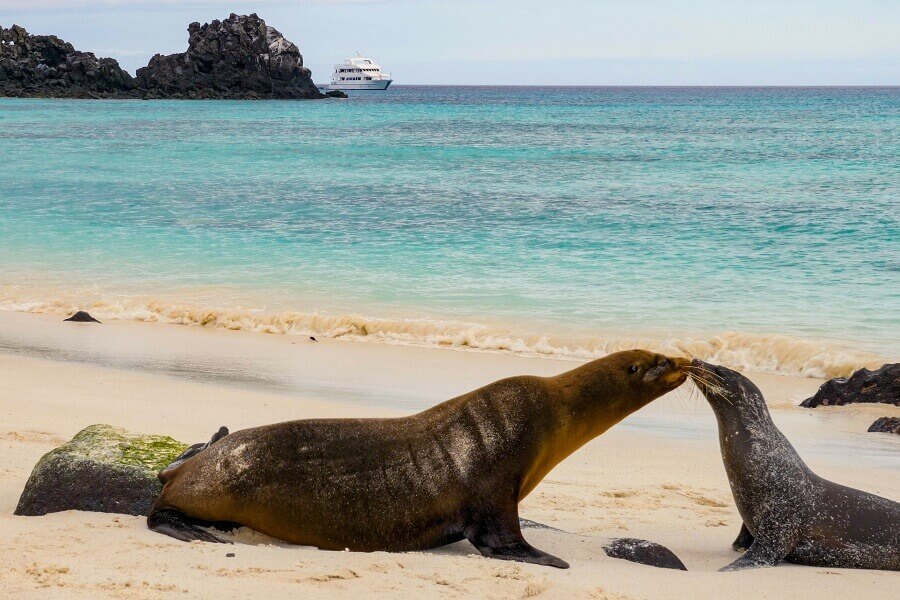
789 512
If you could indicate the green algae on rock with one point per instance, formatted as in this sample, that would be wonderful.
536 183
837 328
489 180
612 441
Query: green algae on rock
101 469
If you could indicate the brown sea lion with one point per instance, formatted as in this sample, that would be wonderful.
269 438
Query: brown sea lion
789 512
455 471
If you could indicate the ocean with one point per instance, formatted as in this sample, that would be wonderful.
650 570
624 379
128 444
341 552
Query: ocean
756 227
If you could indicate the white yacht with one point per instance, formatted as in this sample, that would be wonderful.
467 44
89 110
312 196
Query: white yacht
359 73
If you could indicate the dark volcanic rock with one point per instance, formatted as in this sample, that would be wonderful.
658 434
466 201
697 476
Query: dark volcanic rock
880 386
336 94
645 553
240 57
529 524
101 469
82 317
45 66
885 425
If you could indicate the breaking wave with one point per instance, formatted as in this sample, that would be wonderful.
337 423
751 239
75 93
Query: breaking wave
771 353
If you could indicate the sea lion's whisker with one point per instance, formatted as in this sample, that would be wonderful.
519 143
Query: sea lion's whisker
680 400
701 378
692 369
707 377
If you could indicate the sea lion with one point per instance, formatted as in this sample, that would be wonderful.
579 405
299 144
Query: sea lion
455 471
789 512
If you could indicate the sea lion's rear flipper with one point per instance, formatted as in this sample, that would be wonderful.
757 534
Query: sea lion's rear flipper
178 525
222 432
168 470
498 535
743 540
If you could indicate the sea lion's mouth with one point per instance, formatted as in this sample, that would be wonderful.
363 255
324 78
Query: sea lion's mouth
705 377
670 371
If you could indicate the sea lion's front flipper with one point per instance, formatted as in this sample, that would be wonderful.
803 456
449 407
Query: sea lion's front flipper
774 541
743 540
498 535
178 525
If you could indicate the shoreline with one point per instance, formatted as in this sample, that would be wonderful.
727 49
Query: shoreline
623 484
755 352
374 376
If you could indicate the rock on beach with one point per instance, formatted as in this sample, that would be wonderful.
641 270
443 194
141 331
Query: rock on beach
885 425
101 469
879 386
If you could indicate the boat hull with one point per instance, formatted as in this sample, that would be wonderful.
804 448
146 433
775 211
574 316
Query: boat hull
361 85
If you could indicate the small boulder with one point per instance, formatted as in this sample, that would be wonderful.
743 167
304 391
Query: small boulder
101 469
645 553
335 94
82 317
886 425
879 386
529 524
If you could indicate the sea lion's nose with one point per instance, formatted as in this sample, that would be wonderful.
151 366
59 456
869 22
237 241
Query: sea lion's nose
664 362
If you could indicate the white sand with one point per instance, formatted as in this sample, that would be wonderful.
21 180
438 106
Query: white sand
656 476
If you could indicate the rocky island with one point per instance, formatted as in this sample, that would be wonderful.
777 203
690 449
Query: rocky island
238 58
44 66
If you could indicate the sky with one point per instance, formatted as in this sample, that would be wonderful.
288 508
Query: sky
522 42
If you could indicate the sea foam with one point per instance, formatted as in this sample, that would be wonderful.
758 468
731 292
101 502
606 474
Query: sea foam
772 353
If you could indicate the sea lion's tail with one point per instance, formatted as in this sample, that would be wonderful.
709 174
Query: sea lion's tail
169 470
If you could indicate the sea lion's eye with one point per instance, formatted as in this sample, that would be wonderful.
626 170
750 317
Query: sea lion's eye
633 369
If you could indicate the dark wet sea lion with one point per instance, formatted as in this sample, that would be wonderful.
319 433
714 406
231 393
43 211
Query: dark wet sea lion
455 471
789 512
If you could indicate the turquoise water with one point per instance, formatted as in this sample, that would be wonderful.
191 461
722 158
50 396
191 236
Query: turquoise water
551 220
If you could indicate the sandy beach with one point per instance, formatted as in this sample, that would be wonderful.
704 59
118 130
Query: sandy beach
657 475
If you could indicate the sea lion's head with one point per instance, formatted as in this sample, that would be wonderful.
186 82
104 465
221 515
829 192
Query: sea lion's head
648 375
611 388
720 385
